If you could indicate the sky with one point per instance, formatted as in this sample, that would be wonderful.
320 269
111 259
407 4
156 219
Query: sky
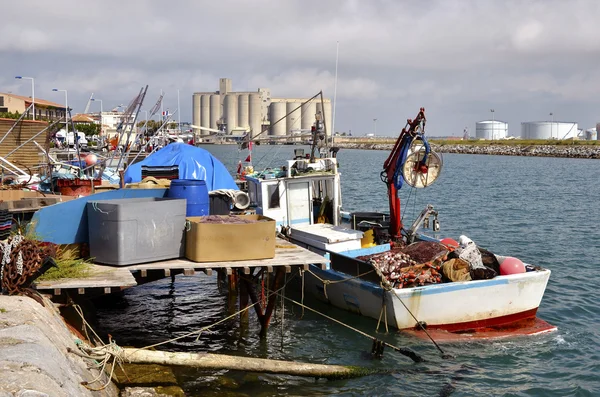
458 59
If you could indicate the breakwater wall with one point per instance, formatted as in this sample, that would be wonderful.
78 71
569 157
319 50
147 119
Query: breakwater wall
34 360
569 151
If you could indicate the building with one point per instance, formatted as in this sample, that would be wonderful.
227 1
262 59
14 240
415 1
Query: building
491 129
549 130
236 113
44 110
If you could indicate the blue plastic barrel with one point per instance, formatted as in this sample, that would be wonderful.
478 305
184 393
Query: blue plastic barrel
196 194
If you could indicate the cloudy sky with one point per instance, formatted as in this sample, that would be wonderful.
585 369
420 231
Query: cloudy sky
458 59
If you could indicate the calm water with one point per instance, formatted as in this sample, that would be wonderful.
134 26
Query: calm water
542 210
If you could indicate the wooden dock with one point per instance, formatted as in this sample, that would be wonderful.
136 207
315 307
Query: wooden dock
107 279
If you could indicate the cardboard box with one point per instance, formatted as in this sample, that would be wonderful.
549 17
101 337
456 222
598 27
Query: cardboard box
218 242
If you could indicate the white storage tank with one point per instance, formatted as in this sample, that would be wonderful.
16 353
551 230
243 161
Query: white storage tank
205 113
196 119
328 118
230 110
293 118
243 111
591 134
277 112
491 129
549 130
215 110
254 109
308 114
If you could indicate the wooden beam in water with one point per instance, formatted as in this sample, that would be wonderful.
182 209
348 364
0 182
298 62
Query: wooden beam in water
208 361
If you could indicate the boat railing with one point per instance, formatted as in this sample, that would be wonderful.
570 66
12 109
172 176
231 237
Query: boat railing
325 165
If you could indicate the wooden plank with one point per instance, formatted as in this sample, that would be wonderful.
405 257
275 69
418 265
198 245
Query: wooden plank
246 270
188 272
107 290
57 291
229 271
283 257
81 291
167 272
207 271
144 273
99 277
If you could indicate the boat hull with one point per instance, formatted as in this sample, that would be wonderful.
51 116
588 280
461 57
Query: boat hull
457 306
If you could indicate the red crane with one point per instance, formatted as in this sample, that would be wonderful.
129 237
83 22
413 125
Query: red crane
392 169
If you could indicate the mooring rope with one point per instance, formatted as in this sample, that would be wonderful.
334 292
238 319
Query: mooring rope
328 282
402 350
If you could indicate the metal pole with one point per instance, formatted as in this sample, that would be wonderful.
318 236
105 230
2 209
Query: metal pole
552 126
337 52
33 97
179 115
375 130
493 124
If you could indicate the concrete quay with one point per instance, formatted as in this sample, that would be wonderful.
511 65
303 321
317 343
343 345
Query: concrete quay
568 151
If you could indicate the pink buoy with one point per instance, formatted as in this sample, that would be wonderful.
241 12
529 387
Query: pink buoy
91 159
511 265
449 243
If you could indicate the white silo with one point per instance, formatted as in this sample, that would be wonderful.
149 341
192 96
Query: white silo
277 113
243 111
205 113
230 110
215 110
491 129
548 130
292 124
308 114
196 99
254 118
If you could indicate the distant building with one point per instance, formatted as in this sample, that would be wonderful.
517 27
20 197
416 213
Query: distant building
235 113
44 110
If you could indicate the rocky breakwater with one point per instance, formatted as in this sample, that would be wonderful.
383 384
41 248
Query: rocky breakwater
570 151
34 360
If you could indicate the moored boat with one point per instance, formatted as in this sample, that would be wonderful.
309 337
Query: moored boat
373 262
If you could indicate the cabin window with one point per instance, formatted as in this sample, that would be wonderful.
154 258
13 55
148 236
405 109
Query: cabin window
273 193
1 101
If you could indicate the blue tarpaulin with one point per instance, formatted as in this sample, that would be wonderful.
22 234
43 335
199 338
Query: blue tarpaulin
194 163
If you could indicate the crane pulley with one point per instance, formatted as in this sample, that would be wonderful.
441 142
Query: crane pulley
412 161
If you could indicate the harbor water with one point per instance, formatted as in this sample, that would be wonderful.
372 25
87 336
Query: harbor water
544 211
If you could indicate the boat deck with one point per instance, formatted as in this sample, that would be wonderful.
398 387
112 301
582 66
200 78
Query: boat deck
106 279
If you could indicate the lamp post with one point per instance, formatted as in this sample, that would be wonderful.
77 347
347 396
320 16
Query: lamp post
101 111
32 92
375 127
552 126
493 123
66 114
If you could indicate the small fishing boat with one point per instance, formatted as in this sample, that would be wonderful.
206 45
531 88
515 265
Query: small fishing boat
385 270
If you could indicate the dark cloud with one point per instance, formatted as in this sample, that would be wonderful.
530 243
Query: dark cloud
459 59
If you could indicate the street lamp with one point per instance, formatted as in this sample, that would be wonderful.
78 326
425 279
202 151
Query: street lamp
375 129
66 112
99 100
493 123
32 92
552 125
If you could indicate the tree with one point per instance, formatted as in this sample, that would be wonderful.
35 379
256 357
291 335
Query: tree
88 129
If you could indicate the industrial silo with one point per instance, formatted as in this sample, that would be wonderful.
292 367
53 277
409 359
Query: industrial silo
277 118
591 134
548 130
491 129
597 129
254 117
196 98
243 111
292 125
308 115
205 113
230 110
215 110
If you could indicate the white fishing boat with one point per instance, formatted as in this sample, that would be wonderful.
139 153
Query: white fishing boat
371 259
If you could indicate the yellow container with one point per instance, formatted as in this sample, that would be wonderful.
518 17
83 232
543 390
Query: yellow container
368 239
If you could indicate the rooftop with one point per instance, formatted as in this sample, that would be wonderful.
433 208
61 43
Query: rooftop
38 101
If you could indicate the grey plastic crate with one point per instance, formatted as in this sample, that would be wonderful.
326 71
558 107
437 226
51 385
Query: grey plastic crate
137 230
